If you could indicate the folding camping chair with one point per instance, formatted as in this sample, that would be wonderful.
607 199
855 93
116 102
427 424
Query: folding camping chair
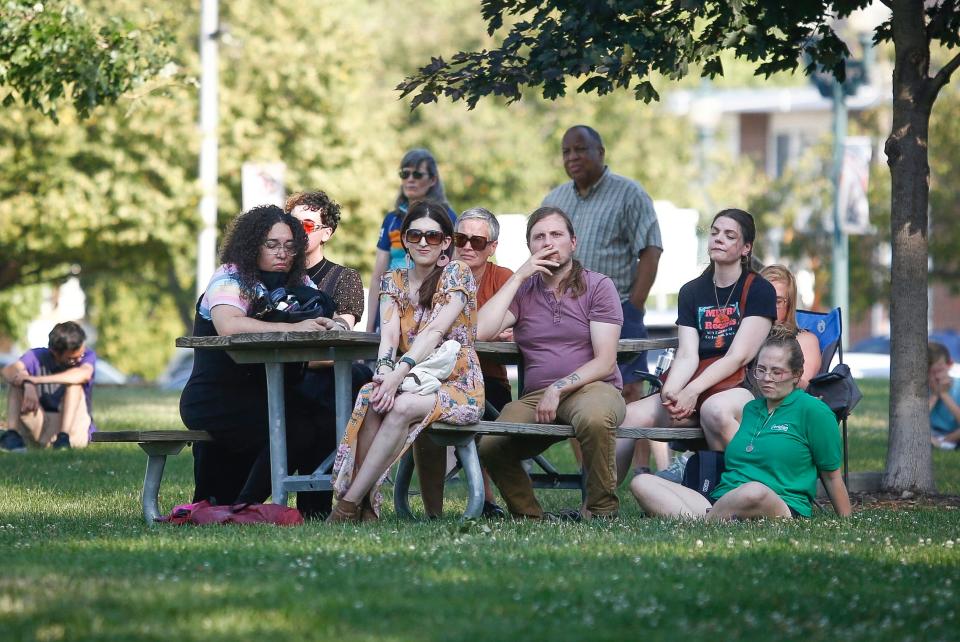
827 327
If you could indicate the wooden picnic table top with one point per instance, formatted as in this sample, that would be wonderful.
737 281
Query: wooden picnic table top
330 338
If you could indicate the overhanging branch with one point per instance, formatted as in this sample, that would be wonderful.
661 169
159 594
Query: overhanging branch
943 76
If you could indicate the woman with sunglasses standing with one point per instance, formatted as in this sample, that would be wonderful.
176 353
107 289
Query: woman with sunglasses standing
419 181
786 439
423 306
264 250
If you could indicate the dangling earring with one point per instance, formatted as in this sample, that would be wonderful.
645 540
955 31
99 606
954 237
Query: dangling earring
443 260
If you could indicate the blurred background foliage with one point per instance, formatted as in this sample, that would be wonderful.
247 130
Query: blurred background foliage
311 83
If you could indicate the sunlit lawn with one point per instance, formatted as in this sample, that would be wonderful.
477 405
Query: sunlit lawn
79 564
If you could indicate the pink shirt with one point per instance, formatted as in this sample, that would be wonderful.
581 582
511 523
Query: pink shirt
554 336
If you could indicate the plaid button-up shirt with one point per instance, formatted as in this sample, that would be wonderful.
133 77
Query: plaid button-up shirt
613 222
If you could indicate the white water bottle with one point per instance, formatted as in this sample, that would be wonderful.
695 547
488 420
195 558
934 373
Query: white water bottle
663 362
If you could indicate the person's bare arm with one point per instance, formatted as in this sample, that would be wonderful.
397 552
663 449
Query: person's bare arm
746 343
373 298
71 376
811 357
837 491
230 320
604 338
645 275
14 373
495 316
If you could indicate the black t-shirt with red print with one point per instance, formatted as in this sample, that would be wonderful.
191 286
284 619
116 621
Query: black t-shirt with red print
715 312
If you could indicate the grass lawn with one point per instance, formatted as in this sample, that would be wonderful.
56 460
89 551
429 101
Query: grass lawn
79 564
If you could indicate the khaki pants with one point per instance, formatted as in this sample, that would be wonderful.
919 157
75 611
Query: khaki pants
594 411
39 429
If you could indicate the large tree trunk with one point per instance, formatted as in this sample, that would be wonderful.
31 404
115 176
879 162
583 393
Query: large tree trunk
909 461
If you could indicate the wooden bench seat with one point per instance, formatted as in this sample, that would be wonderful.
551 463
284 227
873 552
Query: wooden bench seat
463 438
157 444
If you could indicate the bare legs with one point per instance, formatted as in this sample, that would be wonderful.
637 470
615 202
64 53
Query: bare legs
720 416
385 440
40 428
643 413
661 498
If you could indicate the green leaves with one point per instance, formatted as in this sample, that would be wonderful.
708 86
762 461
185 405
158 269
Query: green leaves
54 50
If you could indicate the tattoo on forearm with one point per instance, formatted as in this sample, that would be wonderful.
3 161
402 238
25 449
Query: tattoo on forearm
560 384
388 354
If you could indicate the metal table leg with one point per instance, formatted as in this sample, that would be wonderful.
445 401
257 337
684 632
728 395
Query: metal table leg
342 390
157 452
278 431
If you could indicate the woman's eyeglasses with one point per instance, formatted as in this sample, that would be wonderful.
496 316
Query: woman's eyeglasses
433 237
478 243
311 226
407 173
276 247
773 374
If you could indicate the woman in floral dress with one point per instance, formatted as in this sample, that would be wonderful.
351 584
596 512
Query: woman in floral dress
421 307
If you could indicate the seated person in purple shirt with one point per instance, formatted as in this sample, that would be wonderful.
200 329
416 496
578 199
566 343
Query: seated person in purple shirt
566 322
49 400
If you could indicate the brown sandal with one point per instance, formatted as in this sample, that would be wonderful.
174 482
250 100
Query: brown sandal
344 511
367 514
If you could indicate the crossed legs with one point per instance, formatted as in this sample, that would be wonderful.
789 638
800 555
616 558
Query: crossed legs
661 498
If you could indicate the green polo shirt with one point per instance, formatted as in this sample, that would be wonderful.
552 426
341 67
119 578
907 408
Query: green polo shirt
790 446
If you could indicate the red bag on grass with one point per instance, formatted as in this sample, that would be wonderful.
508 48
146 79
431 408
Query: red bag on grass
203 512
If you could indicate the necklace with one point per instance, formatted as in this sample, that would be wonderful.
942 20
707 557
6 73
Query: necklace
722 317
749 447
317 270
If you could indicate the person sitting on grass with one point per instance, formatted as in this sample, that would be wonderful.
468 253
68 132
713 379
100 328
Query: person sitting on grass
785 439
944 398
49 403
422 307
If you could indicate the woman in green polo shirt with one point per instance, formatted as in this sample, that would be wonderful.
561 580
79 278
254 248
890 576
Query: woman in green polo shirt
785 440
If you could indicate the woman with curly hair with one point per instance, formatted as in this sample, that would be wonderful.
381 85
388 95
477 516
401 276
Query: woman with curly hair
264 250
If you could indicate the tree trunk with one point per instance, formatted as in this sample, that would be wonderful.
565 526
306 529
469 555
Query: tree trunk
909 460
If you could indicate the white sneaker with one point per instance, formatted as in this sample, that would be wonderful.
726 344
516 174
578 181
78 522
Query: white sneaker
943 444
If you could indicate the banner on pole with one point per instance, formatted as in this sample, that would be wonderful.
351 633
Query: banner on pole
854 179
263 184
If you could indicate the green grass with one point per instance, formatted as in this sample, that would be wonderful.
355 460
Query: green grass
79 564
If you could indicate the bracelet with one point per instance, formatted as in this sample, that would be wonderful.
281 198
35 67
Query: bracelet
385 361
407 360
340 322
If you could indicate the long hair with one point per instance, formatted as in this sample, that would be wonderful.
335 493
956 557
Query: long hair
574 281
781 274
246 236
435 212
413 159
748 232
782 337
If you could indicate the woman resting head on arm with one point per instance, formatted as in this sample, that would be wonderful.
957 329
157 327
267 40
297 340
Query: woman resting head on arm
423 306
786 439
723 316
785 285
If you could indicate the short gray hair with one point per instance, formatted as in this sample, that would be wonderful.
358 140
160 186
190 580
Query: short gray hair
482 214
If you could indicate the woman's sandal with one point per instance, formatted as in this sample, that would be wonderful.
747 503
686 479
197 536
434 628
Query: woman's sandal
344 511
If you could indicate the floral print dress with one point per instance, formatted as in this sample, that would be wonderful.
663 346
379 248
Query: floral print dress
459 400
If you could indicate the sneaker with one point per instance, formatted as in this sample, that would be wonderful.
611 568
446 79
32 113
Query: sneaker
943 444
62 441
674 472
12 442
492 511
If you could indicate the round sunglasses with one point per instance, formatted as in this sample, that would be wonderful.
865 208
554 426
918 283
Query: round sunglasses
478 243
433 237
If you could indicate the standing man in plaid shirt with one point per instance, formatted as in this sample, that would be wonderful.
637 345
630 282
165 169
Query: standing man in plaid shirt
617 235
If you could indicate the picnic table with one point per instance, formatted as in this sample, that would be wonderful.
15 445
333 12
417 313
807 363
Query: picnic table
273 349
